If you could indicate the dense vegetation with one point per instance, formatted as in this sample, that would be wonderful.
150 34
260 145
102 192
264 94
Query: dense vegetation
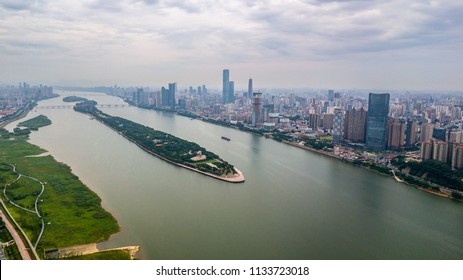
36 123
433 171
72 212
163 144
74 99
377 168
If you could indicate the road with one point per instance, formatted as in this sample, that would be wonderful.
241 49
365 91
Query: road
21 247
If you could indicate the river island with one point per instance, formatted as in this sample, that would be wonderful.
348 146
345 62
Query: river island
165 146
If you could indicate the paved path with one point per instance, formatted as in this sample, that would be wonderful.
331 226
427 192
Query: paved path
36 200
21 247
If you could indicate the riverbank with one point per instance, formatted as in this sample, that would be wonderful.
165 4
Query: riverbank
91 252
393 175
71 212
311 149
20 116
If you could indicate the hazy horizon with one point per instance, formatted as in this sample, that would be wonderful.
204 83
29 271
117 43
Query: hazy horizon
409 45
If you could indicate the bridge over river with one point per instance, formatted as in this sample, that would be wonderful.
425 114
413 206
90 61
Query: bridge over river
72 106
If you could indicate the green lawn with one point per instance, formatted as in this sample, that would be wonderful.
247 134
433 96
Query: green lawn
326 138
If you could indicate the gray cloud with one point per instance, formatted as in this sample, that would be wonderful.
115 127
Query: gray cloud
20 5
292 34
16 5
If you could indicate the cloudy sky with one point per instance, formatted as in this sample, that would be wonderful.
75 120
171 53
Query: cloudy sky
390 44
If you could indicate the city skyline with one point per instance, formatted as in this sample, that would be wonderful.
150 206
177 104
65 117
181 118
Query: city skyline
319 44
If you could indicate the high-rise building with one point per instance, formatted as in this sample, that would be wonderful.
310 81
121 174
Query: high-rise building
172 91
410 135
330 95
377 117
338 124
164 97
440 151
456 136
455 113
354 125
249 88
226 86
257 109
314 121
231 92
426 132
439 133
327 121
457 156
396 134
138 96
158 99
426 150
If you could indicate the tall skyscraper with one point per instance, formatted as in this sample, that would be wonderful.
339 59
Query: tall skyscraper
164 97
226 86
377 117
456 136
330 95
158 99
440 151
231 92
426 150
257 109
250 88
354 125
439 133
396 135
138 96
426 132
338 124
457 156
410 137
327 121
172 90
314 121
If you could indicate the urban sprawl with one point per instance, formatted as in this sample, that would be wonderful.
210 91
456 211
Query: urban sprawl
390 132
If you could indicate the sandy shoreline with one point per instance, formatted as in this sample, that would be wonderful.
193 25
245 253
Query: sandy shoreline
92 248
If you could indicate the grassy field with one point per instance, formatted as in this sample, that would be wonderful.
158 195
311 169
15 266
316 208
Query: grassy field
327 138
24 192
72 212
106 255
36 123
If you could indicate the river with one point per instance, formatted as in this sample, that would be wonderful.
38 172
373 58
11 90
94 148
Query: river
295 204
